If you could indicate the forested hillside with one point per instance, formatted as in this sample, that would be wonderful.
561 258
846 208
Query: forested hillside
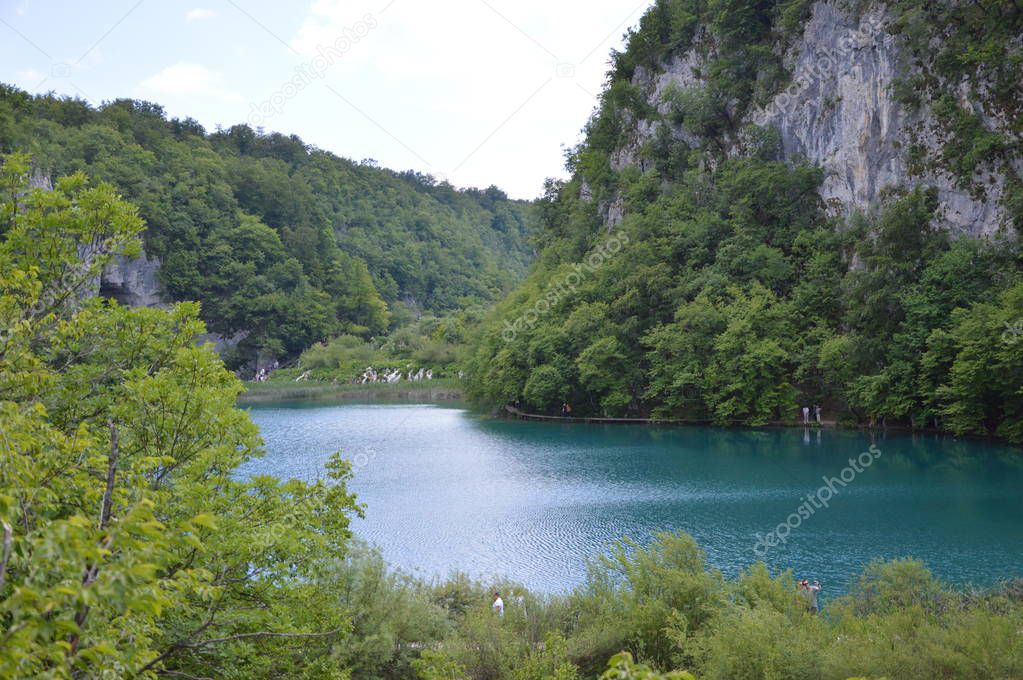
288 244
133 548
711 260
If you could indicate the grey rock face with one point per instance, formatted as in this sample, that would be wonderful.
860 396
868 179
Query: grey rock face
40 180
132 282
220 343
839 113
135 283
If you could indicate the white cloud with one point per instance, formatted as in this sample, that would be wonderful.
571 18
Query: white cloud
200 14
329 20
500 85
29 77
188 79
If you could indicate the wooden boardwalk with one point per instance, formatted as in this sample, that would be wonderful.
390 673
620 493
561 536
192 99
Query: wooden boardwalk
516 413
522 415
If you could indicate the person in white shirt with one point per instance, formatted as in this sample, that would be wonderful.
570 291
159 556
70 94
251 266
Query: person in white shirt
498 605
815 588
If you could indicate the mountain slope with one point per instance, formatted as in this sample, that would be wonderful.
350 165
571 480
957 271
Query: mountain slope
781 204
284 244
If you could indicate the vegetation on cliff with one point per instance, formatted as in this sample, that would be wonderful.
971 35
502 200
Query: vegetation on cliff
727 293
129 547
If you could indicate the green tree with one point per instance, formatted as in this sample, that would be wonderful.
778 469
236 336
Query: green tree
132 548
982 393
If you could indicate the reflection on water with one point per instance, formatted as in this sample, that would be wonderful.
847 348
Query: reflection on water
445 490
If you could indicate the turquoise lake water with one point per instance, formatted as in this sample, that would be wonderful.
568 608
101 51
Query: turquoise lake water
446 490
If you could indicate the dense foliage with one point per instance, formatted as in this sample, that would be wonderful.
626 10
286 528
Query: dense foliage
727 294
129 546
288 243
661 612
431 343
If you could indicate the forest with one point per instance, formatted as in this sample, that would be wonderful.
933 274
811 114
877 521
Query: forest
284 243
734 295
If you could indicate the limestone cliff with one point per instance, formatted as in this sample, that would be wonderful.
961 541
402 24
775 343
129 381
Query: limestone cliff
840 111
133 282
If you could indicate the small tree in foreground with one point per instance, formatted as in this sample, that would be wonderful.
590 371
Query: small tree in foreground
130 549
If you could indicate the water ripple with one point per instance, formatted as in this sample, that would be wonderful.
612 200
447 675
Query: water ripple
446 491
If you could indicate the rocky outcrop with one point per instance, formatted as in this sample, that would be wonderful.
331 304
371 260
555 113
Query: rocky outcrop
133 282
220 343
40 180
839 112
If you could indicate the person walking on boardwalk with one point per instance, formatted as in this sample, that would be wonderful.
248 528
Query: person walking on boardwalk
806 415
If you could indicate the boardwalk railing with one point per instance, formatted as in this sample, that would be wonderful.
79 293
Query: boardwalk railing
517 413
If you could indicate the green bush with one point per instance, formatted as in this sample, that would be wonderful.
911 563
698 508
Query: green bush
346 351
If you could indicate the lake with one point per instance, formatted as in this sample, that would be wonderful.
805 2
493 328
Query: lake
447 490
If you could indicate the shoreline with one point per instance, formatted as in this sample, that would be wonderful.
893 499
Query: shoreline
270 392
518 414
512 413
450 390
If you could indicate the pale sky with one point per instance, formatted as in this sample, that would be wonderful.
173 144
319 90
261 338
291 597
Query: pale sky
478 92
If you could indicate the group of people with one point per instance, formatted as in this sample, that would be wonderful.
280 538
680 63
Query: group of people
264 372
370 375
566 410
816 414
